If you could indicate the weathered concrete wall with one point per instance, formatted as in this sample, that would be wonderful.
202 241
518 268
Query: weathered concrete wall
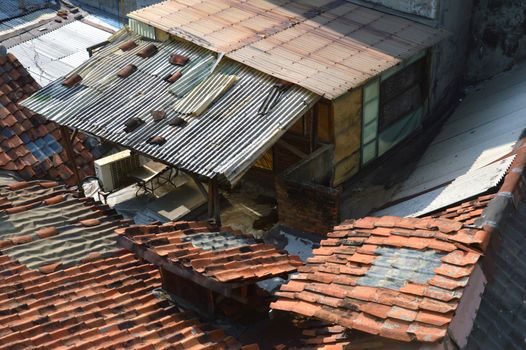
118 8
449 57
498 39
424 8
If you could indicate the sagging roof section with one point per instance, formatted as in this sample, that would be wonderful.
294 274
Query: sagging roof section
325 46
399 278
29 144
44 225
218 254
65 282
221 141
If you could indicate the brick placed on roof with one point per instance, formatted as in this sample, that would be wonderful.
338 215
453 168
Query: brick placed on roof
222 255
399 278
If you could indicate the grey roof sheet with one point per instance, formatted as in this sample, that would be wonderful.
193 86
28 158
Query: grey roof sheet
10 8
223 141
466 158
54 54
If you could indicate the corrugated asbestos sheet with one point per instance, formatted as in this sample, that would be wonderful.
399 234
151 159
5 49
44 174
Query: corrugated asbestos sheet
327 46
482 130
466 157
223 141
10 8
467 186
28 19
54 54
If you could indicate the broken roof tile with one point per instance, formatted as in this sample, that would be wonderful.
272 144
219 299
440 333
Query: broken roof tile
218 254
72 80
407 276
126 71
128 45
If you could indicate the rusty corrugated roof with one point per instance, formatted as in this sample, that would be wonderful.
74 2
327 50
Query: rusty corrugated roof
217 138
325 46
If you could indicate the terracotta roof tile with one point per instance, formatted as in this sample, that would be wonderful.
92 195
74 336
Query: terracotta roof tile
29 144
399 278
218 254
104 303
467 212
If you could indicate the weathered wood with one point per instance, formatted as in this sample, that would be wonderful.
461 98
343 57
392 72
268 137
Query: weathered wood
226 289
64 132
291 148
347 136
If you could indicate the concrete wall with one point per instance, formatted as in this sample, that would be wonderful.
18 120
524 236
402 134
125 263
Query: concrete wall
118 8
498 37
424 8
448 63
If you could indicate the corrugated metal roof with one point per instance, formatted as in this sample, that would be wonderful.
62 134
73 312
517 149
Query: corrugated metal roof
10 8
466 158
463 187
54 54
483 129
28 19
325 46
223 141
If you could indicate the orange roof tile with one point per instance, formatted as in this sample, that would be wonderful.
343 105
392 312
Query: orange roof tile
30 145
105 303
219 254
399 278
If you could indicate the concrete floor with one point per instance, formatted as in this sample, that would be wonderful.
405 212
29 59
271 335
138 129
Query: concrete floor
248 209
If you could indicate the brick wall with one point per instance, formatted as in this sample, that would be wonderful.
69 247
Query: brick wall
307 207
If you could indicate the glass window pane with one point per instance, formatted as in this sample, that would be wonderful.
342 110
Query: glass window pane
370 111
368 152
369 132
371 90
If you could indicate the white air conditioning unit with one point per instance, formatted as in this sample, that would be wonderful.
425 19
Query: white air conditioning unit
113 170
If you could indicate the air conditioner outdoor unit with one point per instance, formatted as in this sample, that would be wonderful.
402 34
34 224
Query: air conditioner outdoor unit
113 170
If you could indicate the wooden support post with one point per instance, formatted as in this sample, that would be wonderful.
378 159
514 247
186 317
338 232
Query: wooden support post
314 129
210 199
71 155
217 198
